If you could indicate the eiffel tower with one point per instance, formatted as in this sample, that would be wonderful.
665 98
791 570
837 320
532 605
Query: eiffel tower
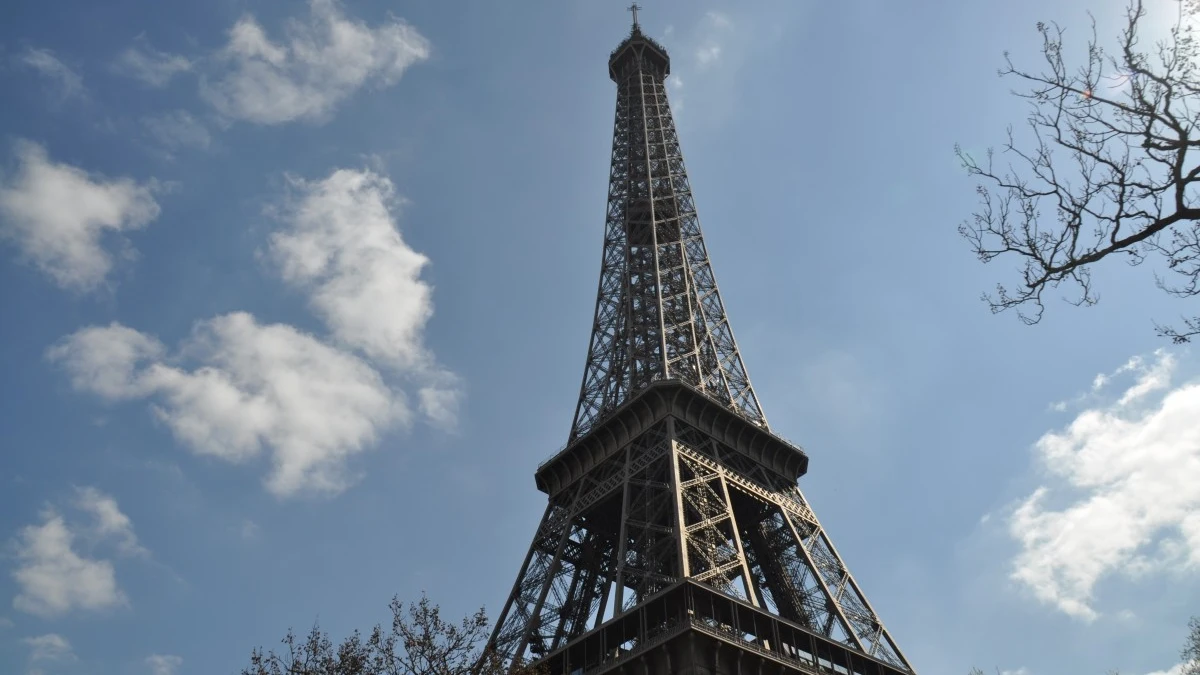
676 539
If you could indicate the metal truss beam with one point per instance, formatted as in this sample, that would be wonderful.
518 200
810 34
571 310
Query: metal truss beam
673 509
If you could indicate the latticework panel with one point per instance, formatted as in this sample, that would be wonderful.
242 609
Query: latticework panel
658 311
676 503
630 520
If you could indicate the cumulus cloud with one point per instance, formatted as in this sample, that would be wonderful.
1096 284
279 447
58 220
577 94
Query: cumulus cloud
57 215
164 664
110 521
104 360
1120 493
177 130
317 64
251 387
147 64
49 647
340 243
67 82
53 577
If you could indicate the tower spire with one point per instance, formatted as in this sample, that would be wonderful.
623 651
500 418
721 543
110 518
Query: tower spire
634 9
675 537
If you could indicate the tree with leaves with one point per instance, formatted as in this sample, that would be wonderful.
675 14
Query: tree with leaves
419 642
1108 168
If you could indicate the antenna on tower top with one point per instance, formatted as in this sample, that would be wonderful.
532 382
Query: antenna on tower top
634 8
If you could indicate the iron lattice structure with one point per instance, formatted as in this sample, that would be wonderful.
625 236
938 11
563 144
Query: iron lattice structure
675 538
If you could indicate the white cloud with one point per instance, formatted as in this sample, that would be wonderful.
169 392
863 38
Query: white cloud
439 401
340 243
707 54
49 647
110 521
57 215
249 529
254 387
104 360
718 20
177 129
319 63
145 63
712 37
710 51
1123 476
68 82
1177 669
54 578
163 664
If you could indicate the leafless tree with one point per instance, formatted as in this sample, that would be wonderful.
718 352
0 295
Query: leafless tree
1190 655
419 642
1108 170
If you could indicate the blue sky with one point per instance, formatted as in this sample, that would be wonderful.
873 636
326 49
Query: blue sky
296 296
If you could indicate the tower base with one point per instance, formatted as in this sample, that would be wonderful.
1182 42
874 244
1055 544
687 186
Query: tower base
691 629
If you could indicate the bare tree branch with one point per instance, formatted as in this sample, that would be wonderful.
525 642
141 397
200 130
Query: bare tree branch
1110 170
1190 655
418 642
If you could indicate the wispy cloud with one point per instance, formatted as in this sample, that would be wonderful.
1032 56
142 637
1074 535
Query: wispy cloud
58 214
65 81
164 664
711 36
149 65
318 63
177 130
54 578
110 522
1119 494
1177 669
708 54
49 647
708 50
249 529
718 20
